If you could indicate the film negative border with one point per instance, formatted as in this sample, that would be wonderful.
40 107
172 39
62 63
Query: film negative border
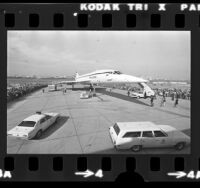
156 21
70 17
59 168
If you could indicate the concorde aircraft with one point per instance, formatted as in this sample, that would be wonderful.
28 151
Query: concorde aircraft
108 76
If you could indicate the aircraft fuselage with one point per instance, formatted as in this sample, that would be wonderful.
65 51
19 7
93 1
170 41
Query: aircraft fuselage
109 77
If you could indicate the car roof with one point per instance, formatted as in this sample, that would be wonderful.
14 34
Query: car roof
35 117
137 126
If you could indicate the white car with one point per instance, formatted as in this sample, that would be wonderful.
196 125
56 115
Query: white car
85 95
138 135
137 94
34 125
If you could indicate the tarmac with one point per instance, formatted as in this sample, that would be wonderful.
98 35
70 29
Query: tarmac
83 126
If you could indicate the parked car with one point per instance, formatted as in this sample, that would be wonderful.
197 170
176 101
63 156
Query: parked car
34 125
137 94
138 135
85 95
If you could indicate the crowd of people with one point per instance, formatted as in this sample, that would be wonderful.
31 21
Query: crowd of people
19 90
168 92
175 95
181 94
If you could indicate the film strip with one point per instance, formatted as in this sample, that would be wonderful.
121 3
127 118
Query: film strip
21 160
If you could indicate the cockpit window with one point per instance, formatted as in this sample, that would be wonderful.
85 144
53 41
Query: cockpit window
117 72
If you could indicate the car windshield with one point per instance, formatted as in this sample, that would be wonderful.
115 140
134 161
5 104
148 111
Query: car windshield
116 128
27 124
47 117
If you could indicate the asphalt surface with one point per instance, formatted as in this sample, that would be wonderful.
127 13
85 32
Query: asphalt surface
83 125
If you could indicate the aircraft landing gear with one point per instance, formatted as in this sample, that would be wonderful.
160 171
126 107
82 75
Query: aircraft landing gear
93 90
145 95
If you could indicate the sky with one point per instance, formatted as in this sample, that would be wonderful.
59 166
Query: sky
148 54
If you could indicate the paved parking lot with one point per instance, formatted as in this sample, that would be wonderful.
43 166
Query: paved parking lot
83 125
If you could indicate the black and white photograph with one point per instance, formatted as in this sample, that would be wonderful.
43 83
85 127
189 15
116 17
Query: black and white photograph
98 92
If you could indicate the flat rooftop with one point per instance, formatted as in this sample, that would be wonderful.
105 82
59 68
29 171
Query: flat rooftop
83 127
